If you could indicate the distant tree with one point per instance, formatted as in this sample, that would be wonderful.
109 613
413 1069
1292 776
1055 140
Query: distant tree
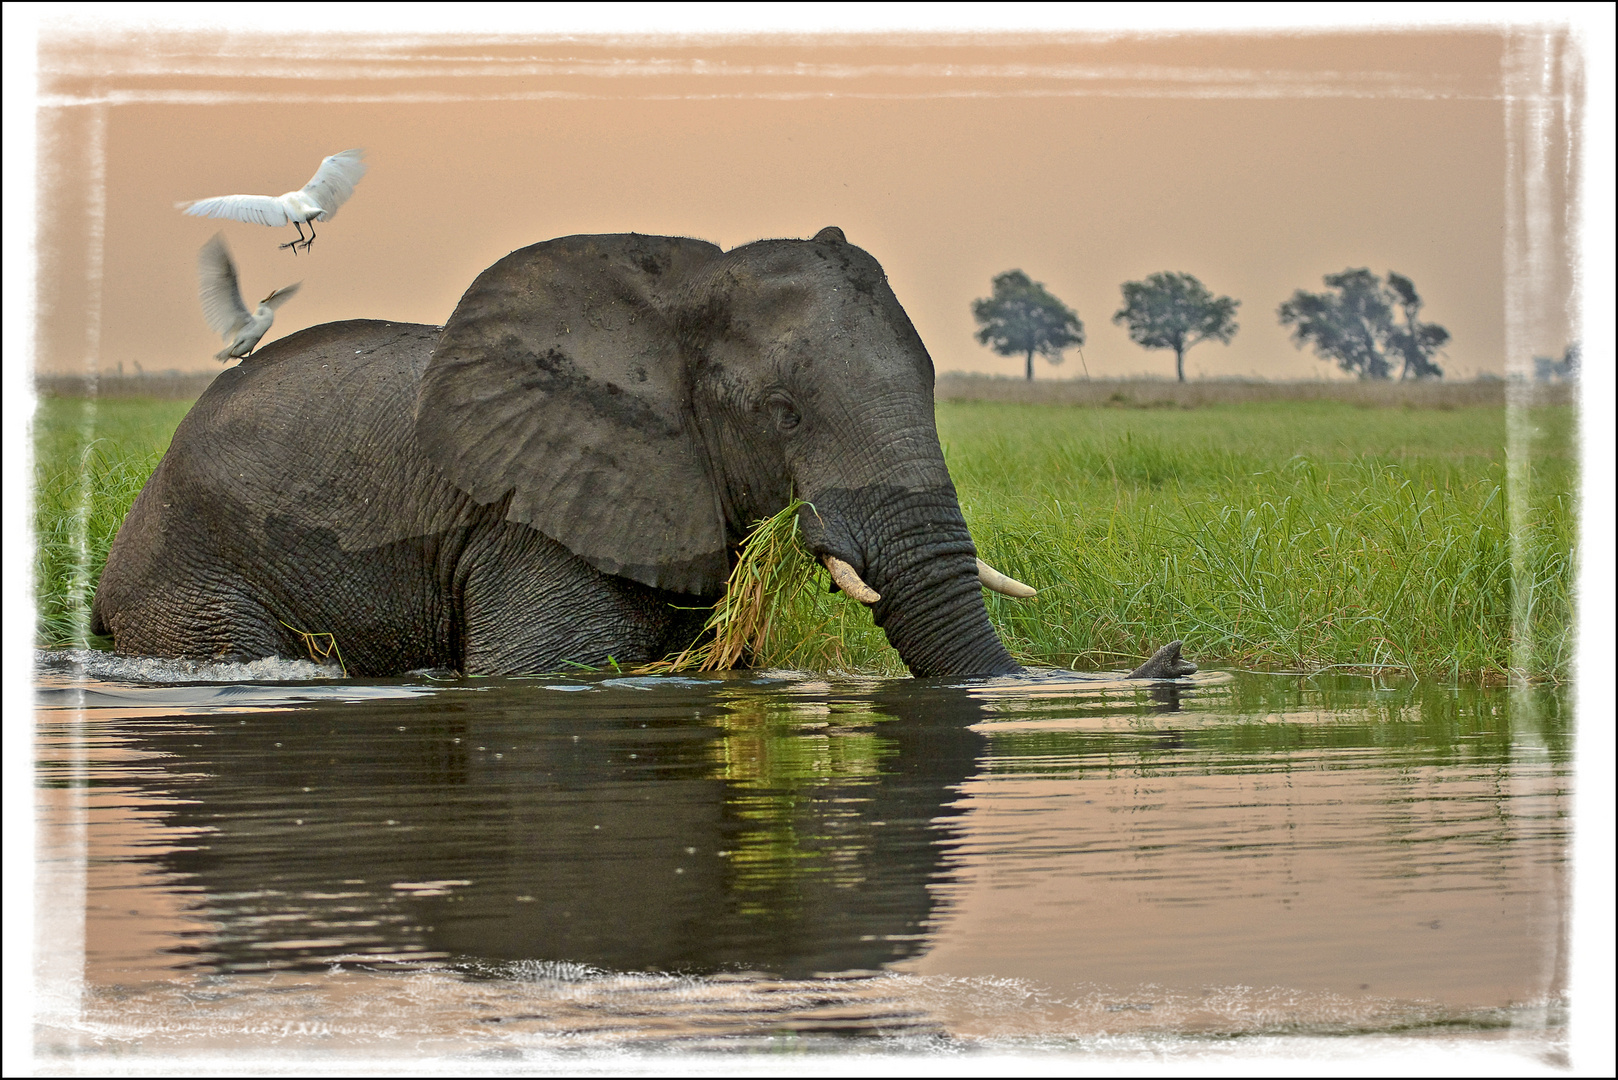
1414 341
1175 311
1566 368
1021 318
1355 325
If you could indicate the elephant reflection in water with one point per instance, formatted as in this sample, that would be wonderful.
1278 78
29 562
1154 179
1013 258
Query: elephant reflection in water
707 843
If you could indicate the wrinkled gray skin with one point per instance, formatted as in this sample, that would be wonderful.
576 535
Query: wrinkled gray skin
559 471
554 474
1165 663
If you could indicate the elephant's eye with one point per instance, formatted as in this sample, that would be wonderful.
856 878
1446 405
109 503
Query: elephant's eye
783 413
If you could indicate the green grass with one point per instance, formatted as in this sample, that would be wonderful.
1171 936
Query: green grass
1278 535
1296 535
1299 535
91 458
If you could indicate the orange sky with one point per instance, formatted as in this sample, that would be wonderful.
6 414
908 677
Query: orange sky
1256 162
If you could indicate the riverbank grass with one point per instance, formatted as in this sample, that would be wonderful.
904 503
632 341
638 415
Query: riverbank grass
1294 535
1276 535
91 458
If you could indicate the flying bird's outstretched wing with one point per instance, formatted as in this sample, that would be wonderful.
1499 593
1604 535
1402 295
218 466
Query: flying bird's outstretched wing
334 181
222 303
253 209
280 296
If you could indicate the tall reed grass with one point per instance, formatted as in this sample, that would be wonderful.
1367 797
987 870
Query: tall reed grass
1303 535
91 458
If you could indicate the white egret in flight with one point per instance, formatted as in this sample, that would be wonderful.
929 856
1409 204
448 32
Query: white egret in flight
333 183
222 302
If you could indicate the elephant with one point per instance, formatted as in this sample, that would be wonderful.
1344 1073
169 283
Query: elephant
561 474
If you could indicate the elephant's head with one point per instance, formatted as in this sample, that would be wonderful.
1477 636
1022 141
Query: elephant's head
643 399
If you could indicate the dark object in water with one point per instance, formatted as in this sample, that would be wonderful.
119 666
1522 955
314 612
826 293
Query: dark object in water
1166 663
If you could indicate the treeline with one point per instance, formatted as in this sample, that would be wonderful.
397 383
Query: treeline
1144 393
1368 326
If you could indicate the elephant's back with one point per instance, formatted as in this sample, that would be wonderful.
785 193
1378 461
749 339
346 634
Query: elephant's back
334 370
308 443
317 428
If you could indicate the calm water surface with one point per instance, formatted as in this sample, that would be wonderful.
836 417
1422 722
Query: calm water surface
259 859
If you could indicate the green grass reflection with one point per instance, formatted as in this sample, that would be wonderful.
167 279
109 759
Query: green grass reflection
793 768
1264 721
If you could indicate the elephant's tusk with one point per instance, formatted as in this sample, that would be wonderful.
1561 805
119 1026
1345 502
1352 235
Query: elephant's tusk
1007 586
848 579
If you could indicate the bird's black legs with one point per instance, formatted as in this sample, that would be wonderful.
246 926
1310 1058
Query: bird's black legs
293 244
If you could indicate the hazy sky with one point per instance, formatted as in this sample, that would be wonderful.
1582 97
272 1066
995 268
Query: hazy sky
1258 162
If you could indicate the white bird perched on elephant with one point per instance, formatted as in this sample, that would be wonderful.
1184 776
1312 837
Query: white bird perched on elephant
222 303
318 200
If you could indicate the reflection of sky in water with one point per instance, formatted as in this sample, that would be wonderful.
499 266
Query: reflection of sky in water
488 863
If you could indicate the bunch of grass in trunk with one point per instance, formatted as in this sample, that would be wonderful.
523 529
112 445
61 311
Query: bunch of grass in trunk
777 612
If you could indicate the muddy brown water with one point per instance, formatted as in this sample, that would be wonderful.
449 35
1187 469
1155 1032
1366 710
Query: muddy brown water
241 860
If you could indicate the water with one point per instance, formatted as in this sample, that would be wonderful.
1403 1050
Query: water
246 860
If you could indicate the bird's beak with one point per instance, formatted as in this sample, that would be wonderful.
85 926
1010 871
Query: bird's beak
283 291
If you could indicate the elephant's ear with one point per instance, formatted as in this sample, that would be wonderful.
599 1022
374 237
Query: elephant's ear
558 381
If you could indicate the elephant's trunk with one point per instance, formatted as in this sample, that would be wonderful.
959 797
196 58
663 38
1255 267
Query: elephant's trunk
935 618
913 548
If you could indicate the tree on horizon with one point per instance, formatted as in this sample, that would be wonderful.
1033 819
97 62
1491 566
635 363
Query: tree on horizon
1175 311
1354 324
1022 318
